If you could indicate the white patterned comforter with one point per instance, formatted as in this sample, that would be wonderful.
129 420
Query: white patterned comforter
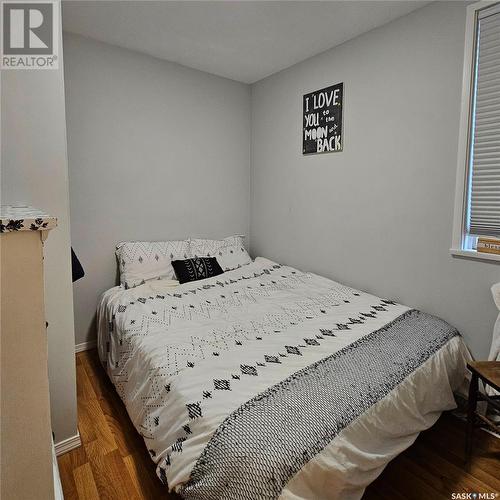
269 382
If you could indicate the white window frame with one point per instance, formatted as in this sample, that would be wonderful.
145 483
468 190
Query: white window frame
463 244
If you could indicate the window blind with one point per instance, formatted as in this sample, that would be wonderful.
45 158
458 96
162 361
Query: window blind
484 173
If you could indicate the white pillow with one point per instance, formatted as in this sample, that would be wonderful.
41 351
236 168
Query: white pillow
141 261
229 252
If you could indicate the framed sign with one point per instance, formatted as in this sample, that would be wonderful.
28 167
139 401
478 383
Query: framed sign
322 120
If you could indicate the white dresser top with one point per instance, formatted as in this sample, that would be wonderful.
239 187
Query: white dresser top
24 218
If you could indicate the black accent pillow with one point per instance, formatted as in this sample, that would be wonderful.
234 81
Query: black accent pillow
195 269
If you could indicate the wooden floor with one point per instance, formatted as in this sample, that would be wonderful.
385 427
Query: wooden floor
113 462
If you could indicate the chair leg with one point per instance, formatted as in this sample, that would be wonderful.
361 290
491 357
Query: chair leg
471 415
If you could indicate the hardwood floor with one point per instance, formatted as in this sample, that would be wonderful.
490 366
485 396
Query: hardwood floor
113 462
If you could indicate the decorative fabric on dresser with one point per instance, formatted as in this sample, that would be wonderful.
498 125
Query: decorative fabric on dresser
269 382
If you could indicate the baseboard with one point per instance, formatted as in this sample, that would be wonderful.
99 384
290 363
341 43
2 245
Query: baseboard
68 444
85 346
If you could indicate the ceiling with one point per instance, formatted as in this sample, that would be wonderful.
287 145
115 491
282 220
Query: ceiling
244 41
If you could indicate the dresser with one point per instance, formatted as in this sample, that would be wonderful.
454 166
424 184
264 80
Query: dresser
26 439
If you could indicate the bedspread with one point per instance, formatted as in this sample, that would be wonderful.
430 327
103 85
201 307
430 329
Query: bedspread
268 382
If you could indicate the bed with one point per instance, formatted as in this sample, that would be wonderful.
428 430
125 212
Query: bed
270 382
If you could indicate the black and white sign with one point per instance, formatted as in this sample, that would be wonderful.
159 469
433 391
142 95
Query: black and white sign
322 122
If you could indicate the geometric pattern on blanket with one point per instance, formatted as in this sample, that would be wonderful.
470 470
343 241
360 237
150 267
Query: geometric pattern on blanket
259 447
166 307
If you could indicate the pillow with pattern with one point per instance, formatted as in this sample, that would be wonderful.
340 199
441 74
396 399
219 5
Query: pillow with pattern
196 269
140 261
229 252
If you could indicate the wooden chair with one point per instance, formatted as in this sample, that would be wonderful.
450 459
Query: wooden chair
489 373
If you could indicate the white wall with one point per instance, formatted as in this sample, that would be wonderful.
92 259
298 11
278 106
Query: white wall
35 172
156 151
377 216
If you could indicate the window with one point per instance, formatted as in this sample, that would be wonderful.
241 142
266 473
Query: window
477 206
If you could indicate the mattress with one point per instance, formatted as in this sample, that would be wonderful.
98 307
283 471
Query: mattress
270 382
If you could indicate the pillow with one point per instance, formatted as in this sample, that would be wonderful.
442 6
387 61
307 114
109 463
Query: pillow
230 252
195 269
141 261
